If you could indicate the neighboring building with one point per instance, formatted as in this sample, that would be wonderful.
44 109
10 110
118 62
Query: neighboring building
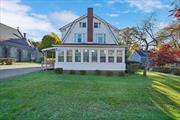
138 56
89 43
14 44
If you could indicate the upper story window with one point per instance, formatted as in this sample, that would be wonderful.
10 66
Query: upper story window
97 25
100 38
82 25
79 37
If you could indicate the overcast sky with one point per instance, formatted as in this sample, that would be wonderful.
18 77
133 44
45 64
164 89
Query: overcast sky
40 17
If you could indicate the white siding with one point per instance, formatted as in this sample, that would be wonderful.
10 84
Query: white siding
110 39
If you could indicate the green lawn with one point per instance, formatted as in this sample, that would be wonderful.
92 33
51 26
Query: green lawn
49 96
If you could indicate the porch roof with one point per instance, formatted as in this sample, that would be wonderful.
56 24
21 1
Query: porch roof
89 45
49 49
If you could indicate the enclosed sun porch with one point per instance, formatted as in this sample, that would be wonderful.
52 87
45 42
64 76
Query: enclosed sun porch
85 57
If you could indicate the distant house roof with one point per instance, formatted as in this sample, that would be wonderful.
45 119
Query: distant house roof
9 36
141 53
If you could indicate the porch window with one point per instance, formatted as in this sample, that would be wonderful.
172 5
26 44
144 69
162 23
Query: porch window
102 55
94 55
69 56
61 55
111 56
77 55
85 55
119 56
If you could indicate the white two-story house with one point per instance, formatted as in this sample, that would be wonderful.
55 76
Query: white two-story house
89 43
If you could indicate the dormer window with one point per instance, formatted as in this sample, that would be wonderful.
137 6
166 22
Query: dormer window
97 25
82 25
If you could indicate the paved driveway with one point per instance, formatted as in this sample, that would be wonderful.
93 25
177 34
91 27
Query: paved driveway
17 70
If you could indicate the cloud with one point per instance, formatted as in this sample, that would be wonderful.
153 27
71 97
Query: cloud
63 17
113 15
97 5
15 14
161 25
143 5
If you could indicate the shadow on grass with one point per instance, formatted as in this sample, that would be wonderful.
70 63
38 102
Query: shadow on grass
165 94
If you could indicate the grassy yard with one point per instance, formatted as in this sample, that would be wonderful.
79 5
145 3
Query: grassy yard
47 95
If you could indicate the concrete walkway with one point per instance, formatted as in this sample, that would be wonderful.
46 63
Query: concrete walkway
10 71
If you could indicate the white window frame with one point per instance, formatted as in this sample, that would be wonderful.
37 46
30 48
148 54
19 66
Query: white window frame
61 55
111 56
79 51
98 35
100 55
69 56
95 51
82 36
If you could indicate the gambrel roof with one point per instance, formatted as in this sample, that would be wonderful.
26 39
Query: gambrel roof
70 25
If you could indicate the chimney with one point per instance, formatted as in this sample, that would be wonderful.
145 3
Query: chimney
90 24
25 35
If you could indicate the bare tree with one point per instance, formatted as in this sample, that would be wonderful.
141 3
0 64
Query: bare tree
146 36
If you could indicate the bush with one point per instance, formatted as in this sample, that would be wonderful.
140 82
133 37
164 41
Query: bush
97 72
72 72
132 67
109 73
162 69
59 70
7 61
121 73
176 71
82 72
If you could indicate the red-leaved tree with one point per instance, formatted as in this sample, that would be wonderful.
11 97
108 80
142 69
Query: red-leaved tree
164 55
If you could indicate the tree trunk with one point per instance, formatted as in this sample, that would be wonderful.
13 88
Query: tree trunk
147 62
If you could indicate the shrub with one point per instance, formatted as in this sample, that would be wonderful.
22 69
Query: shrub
176 71
97 72
109 73
72 72
82 72
121 73
132 67
162 69
7 61
59 70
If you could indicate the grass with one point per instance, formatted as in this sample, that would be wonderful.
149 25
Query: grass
47 95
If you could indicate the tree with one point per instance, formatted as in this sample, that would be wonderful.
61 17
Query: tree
36 43
163 55
170 34
49 40
126 38
146 36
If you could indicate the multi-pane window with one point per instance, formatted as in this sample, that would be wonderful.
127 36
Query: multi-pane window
111 56
82 25
100 38
85 55
119 56
94 55
77 55
102 55
79 37
61 55
97 25
69 56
